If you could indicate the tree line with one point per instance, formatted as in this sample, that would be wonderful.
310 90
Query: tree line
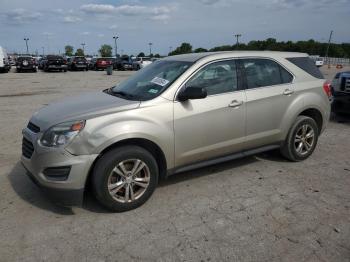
105 51
311 47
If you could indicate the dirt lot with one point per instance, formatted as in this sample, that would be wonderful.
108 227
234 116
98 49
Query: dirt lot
260 208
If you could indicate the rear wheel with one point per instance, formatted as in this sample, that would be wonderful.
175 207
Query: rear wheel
301 140
125 178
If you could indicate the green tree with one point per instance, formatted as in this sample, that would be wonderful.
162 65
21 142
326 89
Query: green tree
142 54
157 55
184 48
105 51
69 50
200 50
79 52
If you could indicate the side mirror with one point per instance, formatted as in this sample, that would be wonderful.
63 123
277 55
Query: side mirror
192 92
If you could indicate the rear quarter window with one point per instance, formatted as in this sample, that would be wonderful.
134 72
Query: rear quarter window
306 64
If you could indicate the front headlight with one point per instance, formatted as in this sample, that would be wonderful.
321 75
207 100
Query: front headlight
62 134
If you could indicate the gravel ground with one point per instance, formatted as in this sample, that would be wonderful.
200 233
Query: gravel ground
260 208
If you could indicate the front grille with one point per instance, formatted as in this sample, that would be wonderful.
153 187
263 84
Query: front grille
27 148
33 128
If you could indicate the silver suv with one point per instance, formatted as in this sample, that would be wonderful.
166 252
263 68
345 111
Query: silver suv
177 114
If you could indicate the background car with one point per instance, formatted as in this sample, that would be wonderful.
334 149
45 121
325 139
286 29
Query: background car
319 62
4 61
124 63
54 62
100 63
340 87
77 63
141 62
41 63
25 63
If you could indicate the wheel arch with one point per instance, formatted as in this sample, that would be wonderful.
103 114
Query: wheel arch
146 144
316 115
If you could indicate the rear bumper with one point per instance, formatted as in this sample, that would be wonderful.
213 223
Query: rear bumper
57 67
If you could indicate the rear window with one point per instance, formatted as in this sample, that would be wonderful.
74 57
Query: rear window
54 57
24 58
306 64
80 58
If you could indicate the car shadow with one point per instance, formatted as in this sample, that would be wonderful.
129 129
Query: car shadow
32 194
340 118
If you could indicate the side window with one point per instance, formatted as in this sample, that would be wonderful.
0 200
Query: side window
265 72
217 78
285 75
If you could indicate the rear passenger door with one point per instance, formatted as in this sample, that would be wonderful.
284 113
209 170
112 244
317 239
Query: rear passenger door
269 92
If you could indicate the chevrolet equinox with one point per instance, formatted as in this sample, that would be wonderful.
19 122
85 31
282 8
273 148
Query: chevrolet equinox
177 114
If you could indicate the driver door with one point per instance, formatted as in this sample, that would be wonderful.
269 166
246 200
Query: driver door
213 126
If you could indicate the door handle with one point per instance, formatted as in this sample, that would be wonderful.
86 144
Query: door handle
235 103
288 92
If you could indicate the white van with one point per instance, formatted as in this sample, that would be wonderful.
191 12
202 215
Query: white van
4 61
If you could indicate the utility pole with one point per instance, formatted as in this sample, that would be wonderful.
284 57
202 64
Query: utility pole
115 46
43 50
150 49
237 37
27 39
170 49
329 43
83 45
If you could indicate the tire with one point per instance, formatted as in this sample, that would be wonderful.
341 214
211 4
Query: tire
103 174
18 70
65 70
299 145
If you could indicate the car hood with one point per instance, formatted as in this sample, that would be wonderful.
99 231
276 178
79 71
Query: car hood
81 107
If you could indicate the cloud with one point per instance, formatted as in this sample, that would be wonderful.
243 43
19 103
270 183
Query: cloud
71 19
209 2
21 16
127 10
100 35
162 17
112 27
85 33
318 4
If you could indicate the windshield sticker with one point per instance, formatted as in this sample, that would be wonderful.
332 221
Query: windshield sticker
159 81
153 91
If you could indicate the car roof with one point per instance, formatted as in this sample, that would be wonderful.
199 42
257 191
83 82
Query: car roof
193 57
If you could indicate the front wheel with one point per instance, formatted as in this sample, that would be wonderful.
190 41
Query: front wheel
125 178
301 140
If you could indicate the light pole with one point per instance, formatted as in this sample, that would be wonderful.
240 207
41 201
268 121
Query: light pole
27 39
150 48
237 37
83 45
115 45
329 43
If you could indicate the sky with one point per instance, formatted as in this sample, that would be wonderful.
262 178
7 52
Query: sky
50 25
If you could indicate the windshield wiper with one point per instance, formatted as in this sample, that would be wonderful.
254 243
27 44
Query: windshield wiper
121 94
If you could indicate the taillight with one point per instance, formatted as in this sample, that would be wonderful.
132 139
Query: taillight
327 88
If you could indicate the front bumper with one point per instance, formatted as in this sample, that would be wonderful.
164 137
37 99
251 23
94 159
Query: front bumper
341 103
68 192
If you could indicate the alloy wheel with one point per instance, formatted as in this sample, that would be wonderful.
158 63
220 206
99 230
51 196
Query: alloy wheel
129 180
304 139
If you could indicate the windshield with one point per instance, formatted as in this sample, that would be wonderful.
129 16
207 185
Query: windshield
151 81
